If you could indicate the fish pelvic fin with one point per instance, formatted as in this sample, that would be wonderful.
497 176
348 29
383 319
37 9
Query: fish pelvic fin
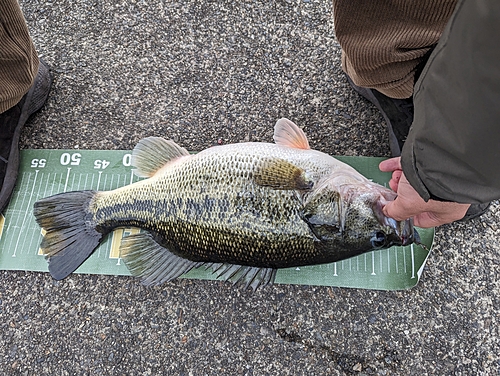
287 133
70 236
152 153
280 174
153 263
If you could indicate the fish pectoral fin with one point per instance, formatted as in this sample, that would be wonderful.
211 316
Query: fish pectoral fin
150 261
287 133
249 276
152 153
280 174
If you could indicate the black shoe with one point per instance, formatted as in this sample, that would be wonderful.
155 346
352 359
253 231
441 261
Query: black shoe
398 115
11 123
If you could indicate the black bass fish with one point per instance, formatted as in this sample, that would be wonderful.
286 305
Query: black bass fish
243 210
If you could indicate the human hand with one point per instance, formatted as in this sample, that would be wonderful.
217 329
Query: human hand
408 203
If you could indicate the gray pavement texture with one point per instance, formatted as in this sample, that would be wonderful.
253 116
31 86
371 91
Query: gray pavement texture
203 73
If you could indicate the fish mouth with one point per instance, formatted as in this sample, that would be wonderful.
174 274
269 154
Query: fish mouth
404 231
407 232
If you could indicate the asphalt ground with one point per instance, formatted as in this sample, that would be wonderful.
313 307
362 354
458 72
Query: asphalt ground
213 72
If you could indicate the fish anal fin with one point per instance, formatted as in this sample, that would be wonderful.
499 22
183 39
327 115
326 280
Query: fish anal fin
248 276
280 174
287 133
153 263
152 153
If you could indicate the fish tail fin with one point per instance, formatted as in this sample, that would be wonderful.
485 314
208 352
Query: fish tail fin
71 235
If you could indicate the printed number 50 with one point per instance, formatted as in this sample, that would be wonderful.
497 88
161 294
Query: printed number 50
73 159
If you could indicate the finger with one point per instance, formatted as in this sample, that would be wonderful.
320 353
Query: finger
391 164
396 175
394 185
394 182
396 210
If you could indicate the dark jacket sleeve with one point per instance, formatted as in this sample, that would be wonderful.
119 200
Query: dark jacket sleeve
452 152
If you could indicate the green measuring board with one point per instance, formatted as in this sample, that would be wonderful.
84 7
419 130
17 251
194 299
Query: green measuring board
47 172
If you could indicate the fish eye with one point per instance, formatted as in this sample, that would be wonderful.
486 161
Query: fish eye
378 240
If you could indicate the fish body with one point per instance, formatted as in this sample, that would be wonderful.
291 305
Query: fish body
244 210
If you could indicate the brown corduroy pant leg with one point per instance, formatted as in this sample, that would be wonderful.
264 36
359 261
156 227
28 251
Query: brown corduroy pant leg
18 58
384 41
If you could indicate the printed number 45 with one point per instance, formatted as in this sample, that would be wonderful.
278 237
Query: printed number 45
101 164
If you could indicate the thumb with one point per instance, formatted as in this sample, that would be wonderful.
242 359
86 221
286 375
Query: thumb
394 210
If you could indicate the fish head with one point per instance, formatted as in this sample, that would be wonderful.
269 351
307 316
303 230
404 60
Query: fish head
346 214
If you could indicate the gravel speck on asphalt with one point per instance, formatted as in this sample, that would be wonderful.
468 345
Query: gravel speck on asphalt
203 73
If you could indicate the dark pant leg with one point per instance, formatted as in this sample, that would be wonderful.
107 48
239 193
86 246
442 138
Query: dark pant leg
18 58
383 41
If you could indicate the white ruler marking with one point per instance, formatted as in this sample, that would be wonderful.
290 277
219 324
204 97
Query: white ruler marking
67 179
412 262
28 210
28 249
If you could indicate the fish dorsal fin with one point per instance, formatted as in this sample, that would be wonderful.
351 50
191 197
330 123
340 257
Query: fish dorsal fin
154 264
278 173
287 133
152 153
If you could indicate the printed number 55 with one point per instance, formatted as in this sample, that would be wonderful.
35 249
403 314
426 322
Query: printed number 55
38 163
